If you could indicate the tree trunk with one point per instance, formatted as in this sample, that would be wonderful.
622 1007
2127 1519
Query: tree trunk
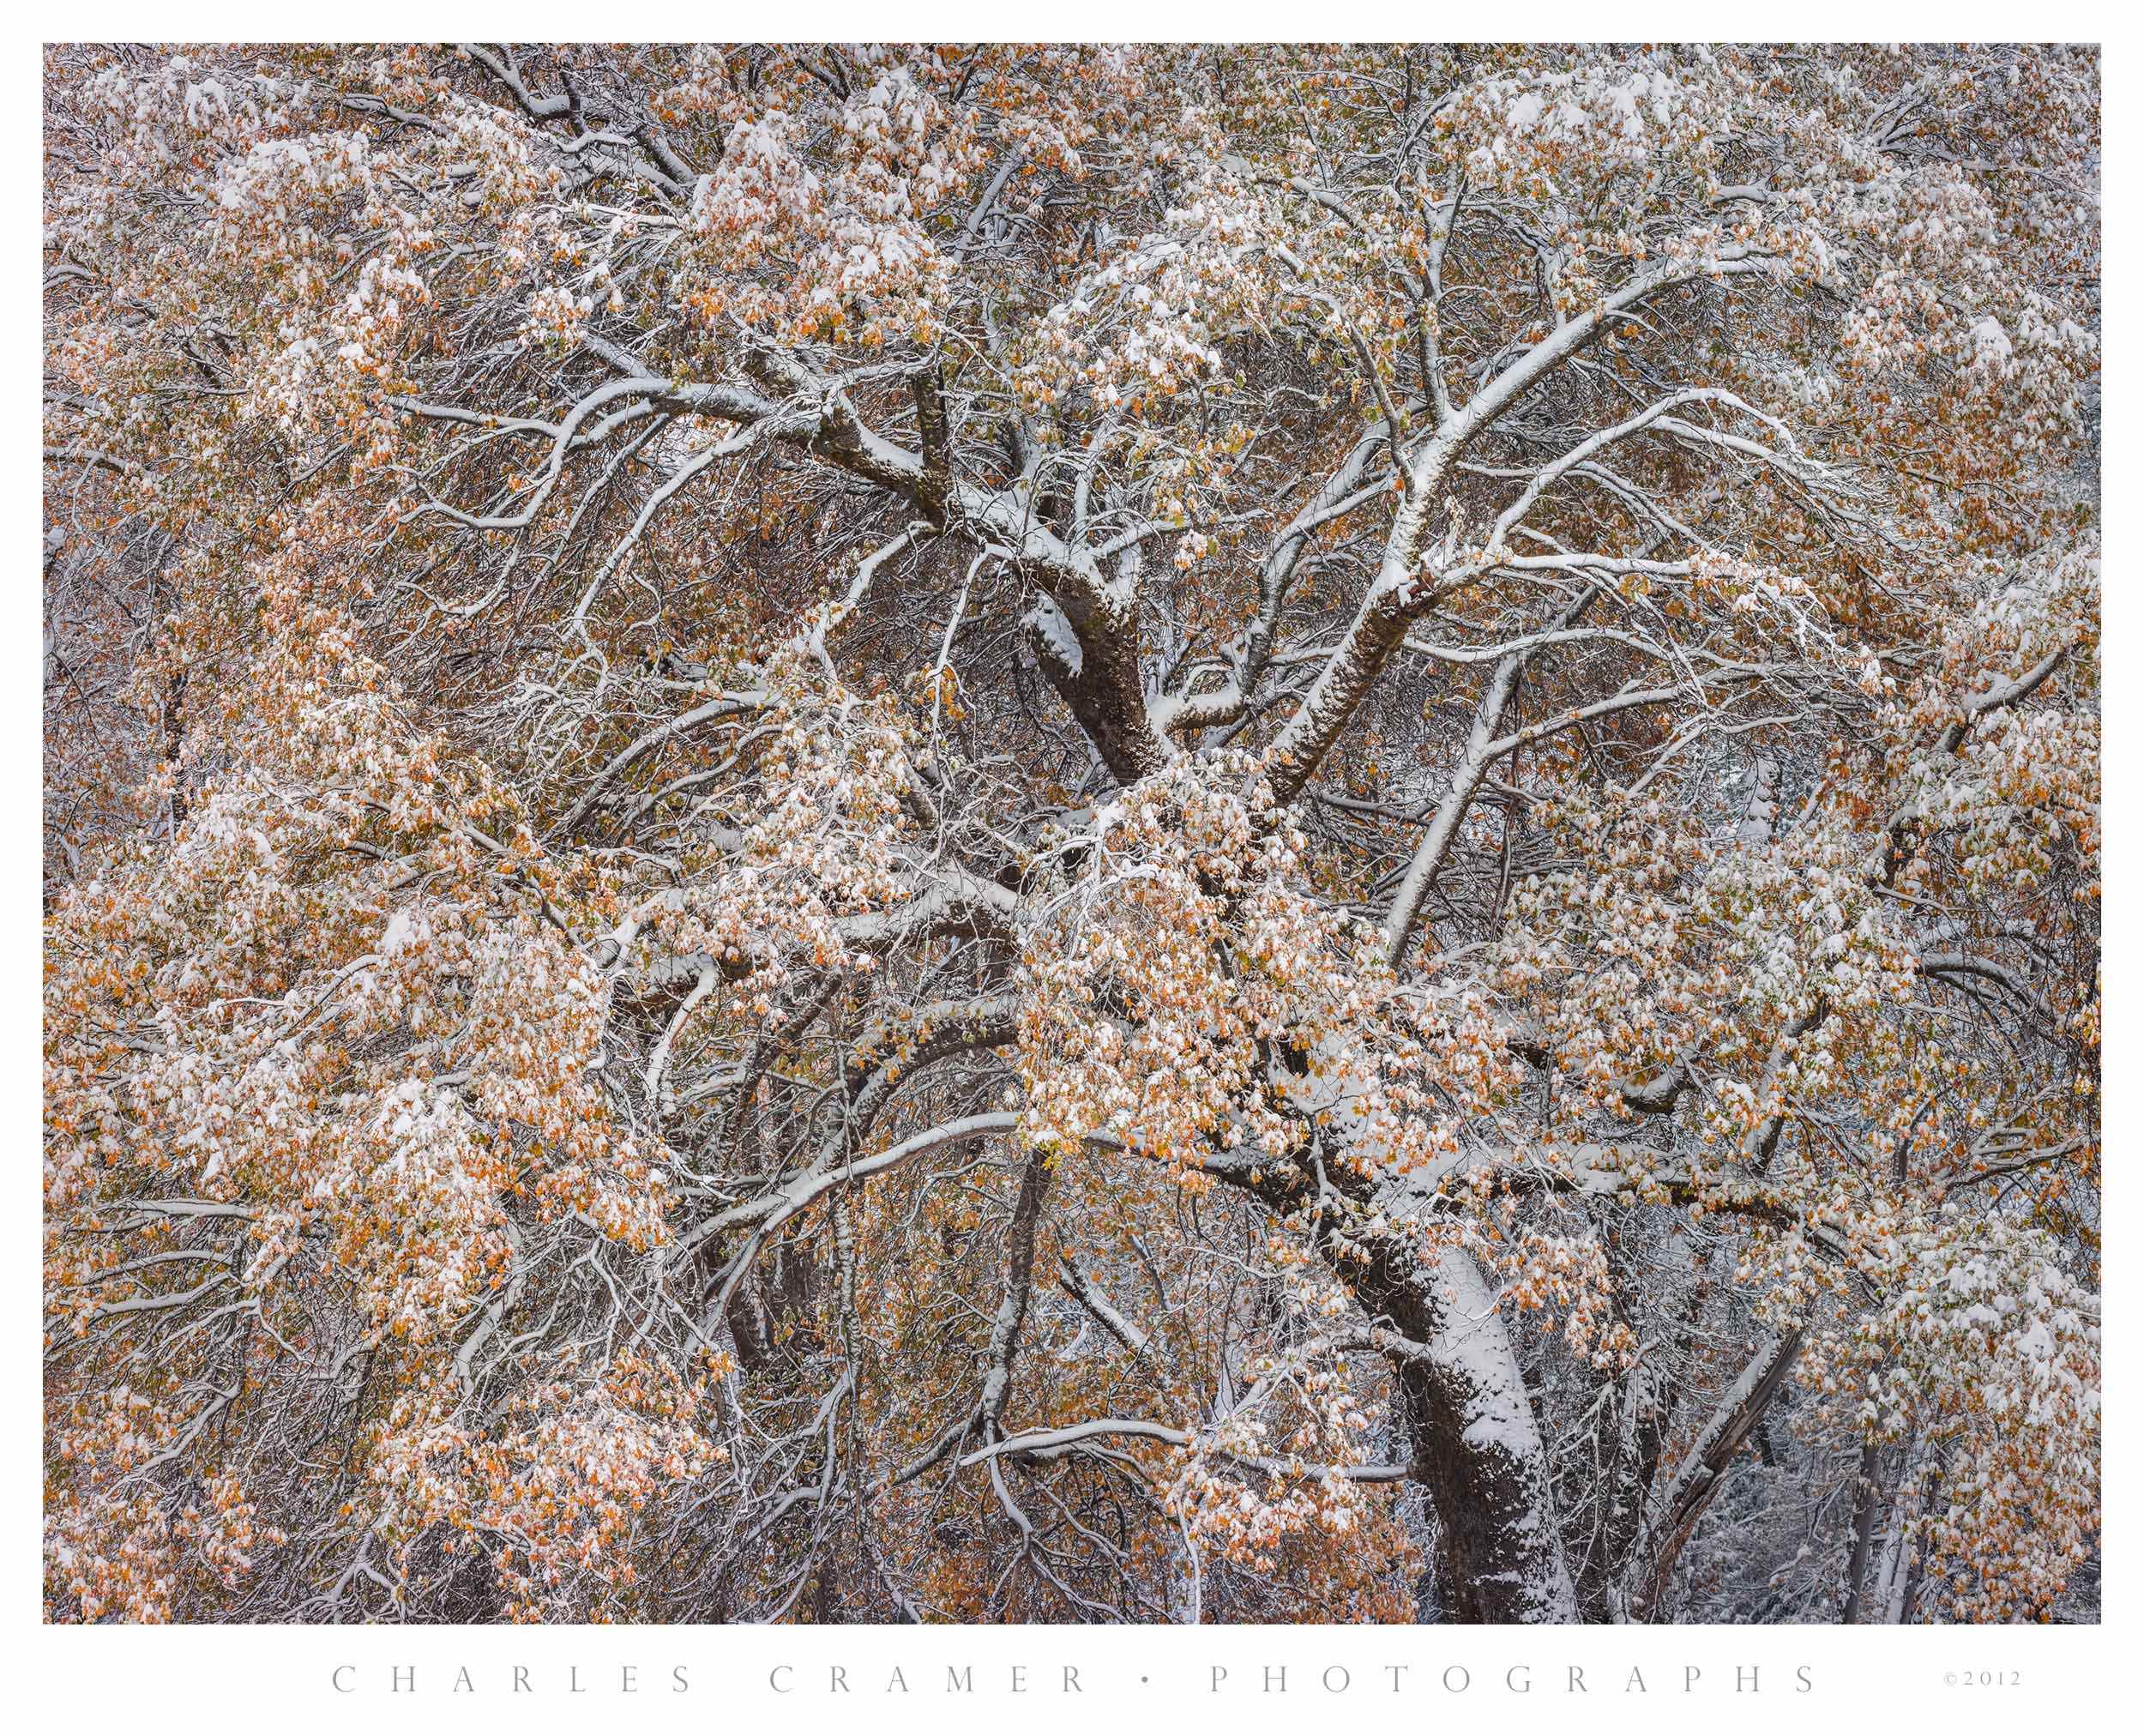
1478 1451
1865 1512
1475 1447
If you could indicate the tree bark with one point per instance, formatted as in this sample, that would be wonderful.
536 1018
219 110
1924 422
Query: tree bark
1865 1512
1475 1445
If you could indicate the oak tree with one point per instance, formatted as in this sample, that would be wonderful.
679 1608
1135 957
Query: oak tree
1071 833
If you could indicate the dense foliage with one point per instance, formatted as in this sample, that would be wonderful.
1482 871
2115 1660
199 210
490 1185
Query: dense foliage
1071 833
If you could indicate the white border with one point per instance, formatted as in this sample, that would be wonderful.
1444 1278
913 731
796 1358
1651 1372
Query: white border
200 1678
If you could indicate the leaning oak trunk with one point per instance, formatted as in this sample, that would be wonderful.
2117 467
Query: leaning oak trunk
1475 1447
1479 1453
